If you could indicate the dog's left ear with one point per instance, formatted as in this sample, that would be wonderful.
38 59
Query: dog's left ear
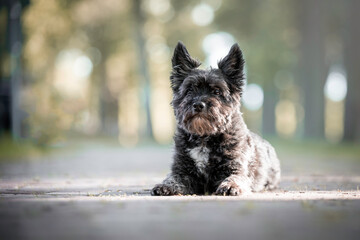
232 66
182 64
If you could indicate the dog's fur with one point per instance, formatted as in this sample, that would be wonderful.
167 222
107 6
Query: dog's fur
214 150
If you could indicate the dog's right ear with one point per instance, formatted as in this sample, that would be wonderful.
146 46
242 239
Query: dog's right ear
182 64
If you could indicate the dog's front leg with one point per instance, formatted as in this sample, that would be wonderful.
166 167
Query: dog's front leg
234 185
172 185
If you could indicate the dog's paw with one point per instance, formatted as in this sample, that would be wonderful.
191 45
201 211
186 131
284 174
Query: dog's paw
229 188
163 190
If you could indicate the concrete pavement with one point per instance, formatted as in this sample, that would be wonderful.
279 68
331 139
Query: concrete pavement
103 193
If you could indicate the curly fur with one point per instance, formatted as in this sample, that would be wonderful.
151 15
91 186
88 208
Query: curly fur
215 153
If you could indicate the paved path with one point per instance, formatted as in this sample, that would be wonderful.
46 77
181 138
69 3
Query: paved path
103 193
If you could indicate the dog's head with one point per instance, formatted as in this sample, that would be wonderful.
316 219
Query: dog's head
204 101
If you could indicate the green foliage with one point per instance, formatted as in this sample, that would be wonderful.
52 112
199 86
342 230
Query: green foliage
21 149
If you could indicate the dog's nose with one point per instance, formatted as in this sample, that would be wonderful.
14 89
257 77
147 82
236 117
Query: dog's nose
199 106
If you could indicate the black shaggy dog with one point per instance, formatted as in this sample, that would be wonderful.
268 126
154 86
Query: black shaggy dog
214 150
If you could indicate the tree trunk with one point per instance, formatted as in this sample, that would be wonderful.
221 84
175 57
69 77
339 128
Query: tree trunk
312 68
268 115
14 43
144 87
352 59
108 106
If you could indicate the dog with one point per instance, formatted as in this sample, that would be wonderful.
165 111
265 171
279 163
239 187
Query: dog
215 152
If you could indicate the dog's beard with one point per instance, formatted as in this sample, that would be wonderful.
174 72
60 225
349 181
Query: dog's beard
199 124
214 121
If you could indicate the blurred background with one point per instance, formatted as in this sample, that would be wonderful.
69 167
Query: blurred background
99 69
85 114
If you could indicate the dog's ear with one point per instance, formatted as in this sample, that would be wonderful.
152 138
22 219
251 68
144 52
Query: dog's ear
182 64
232 66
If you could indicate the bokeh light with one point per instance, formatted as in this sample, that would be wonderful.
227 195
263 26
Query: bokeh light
82 66
202 14
336 86
286 122
217 46
72 70
158 7
253 97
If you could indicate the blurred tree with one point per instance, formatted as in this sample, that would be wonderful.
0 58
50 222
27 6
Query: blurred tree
352 59
81 26
142 61
263 30
312 68
50 113
103 32
5 115
10 92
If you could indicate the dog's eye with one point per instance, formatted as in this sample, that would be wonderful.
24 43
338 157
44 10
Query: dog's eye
217 91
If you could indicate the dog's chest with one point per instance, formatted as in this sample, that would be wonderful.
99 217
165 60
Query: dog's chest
200 155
